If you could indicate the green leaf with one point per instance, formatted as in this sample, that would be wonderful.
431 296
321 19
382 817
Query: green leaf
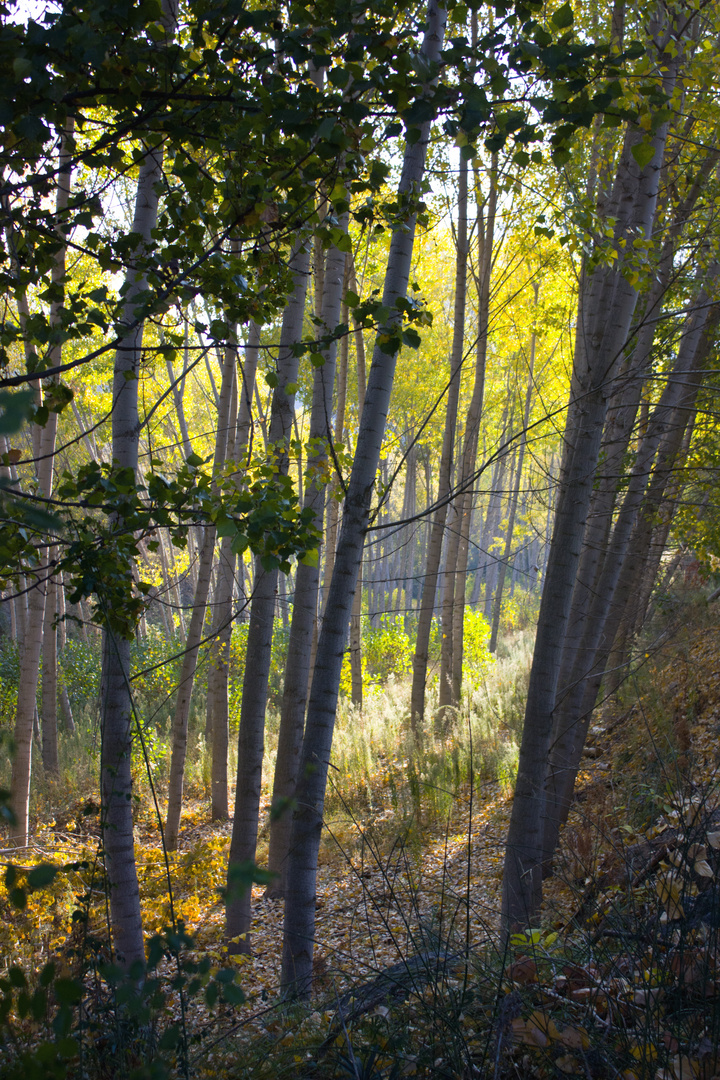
170 1038
310 558
643 153
21 67
233 995
18 898
43 875
563 17
16 406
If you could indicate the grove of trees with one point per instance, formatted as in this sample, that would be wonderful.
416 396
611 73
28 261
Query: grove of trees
323 320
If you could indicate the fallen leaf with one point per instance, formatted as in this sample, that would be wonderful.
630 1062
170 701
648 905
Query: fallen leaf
576 1038
523 970
684 1068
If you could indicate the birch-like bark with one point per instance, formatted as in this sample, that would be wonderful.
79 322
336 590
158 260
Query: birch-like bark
662 440
356 616
49 683
307 581
219 669
117 705
197 619
453 537
299 924
622 412
426 608
607 309
251 738
486 239
502 570
333 512
43 450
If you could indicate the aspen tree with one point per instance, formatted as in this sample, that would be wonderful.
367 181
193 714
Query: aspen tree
606 309
307 580
299 922
262 612
437 533
117 704
33 618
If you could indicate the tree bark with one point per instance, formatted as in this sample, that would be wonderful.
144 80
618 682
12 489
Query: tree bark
299 924
607 309
486 237
662 440
43 450
251 734
219 667
453 537
117 705
426 608
49 691
515 493
307 581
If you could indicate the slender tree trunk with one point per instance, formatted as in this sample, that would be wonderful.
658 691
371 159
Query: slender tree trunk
356 617
407 539
662 439
307 580
607 309
299 925
197 619
49 693
453 537
333 505
43 450
515 494
486 237
117 705
437 533
219 667
622 414
251 735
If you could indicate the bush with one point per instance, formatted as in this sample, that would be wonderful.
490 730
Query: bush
388 649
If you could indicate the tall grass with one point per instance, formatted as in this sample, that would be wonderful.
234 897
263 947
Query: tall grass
377 766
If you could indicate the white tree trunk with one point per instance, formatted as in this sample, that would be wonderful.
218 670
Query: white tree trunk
307 581
44 450
251 734
607 308
197 620
117 705
299 924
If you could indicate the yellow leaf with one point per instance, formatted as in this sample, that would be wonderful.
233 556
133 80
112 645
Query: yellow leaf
703 868
575 1038
568 1064
545 1024
683 1068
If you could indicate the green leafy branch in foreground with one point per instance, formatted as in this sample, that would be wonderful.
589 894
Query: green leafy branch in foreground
102 515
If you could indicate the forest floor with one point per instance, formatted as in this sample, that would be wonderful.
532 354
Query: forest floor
649 779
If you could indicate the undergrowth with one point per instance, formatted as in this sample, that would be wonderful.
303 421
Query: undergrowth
620 981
